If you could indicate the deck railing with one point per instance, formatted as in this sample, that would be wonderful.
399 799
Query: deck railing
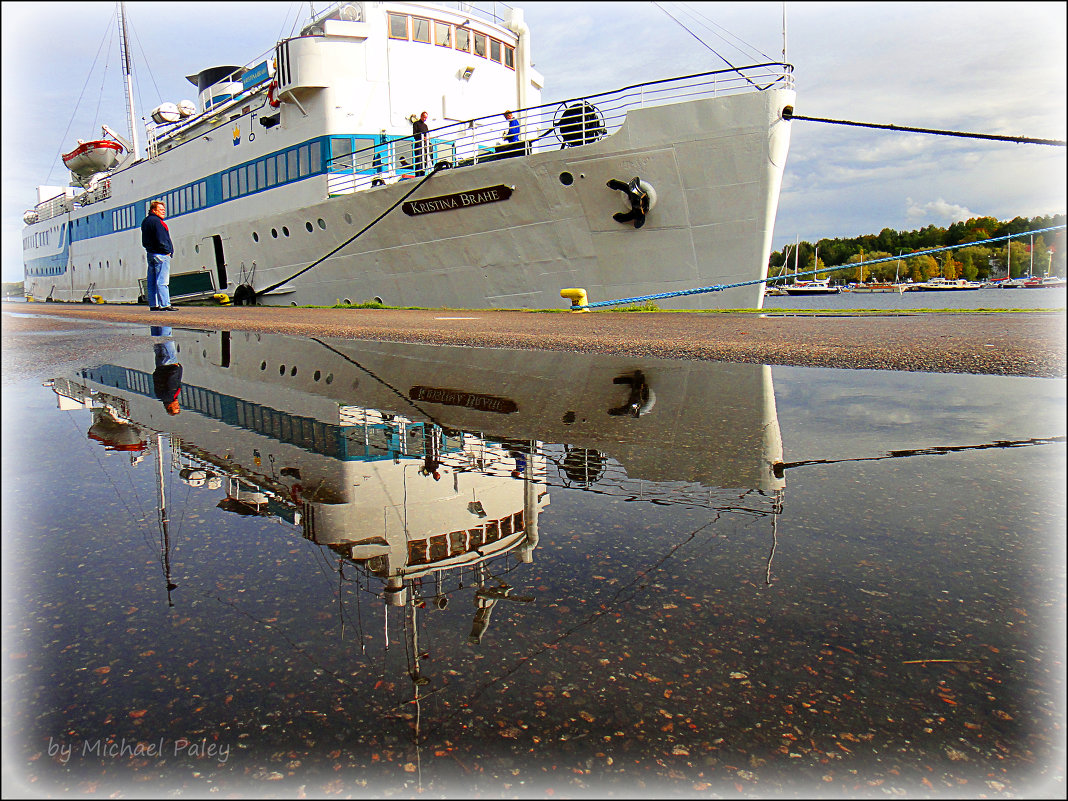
551 126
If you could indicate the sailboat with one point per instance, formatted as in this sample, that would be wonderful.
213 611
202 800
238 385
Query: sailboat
814 286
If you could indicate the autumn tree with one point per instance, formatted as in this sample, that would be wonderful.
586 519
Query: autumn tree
922 268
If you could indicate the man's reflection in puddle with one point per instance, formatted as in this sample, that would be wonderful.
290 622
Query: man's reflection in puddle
167 377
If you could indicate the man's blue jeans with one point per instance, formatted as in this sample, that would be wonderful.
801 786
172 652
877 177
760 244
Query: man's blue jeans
159 275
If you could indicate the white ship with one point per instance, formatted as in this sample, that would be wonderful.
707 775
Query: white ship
295 179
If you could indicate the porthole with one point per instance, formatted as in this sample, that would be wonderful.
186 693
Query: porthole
318 375
567 178
293 370
348 218
379 301
322 223
196 248
255 237
263 365
308 225
285 231
281 369
274 232
330 378
348 301
292 303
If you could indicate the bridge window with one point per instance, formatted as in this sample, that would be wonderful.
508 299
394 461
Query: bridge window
398 26
463 39
442 34
420 30
495 50
480 44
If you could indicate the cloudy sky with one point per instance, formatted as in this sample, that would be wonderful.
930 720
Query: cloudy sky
994 68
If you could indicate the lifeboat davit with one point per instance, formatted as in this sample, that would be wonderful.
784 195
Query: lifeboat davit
93 157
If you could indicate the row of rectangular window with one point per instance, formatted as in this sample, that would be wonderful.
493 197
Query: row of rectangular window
299 162
279 168
36 240
456 543
419 29
364 155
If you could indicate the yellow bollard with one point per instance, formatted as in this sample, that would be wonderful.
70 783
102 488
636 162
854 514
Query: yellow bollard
577 297
221 298
97 299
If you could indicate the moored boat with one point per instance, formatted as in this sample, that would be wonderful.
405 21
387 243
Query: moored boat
877 287
940 284
296 179
1047 282
817 286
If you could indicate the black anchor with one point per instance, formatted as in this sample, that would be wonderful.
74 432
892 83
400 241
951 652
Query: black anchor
639 202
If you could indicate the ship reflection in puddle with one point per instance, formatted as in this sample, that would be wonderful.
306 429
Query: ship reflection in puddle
501 543
423 468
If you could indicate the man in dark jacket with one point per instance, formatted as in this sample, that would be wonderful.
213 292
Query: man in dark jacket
156 239
421 148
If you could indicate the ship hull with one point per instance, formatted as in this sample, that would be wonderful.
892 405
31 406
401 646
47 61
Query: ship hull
714 166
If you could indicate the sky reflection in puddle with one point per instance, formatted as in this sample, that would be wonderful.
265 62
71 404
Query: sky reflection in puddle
363 568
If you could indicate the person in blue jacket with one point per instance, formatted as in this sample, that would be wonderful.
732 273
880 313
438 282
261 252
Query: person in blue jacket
156 239
511 135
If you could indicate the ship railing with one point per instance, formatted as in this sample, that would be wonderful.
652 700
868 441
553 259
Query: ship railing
550 126
48 209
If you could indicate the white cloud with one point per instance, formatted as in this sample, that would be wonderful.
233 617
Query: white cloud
937 212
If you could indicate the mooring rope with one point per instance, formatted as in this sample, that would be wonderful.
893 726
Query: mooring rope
721 287
359 233
1025 140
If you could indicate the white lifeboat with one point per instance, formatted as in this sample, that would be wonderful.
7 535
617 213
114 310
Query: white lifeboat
89 158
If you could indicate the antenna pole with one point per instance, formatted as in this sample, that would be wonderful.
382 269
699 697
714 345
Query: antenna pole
784 34
127 68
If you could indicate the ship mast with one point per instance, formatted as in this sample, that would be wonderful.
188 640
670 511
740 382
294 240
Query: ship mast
124 53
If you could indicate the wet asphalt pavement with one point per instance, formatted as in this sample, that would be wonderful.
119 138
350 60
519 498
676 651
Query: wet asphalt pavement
1011 343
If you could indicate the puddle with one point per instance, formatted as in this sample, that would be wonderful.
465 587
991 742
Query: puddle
363 568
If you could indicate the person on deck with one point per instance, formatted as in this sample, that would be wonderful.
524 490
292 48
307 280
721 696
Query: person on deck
511 136
421 148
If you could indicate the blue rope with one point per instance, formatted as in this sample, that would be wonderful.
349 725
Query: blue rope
721 287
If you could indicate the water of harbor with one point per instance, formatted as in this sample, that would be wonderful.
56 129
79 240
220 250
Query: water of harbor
971 299
370 569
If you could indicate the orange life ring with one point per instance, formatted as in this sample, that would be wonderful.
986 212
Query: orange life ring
271 99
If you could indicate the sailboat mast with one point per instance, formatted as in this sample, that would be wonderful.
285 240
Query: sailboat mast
127 68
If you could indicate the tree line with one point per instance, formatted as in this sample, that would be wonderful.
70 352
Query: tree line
1040 255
